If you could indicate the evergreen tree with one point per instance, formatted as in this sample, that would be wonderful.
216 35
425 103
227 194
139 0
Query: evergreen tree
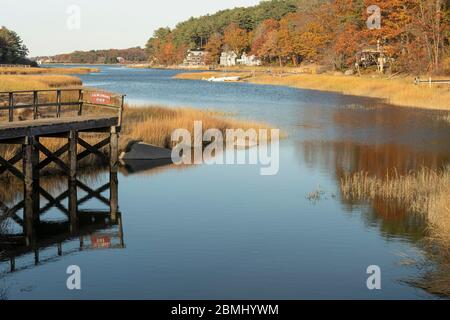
12 49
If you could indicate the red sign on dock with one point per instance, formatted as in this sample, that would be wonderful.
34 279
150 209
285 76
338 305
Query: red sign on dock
101 242
100 98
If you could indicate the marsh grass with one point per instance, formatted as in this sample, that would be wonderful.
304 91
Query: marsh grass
425 192
150 124
41 71
155 124
37 82
400 92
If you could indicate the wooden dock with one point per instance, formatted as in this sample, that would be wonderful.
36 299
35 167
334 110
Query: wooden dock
56 119
64 114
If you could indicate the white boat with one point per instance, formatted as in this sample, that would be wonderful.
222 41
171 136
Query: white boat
224 79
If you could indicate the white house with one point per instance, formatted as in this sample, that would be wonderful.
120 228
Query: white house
228 58
249 60
195 58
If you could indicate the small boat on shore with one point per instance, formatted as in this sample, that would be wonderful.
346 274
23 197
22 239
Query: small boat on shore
224 79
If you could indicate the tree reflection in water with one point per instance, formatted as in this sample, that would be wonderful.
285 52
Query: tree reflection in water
395 219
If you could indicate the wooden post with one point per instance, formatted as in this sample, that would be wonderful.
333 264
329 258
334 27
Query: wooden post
73 207
73 152
80 101
122 242
113 196
121 112
59 249
12 262
113 180
58 103
36 256
73 196
114 150
11 107
31 187
35 105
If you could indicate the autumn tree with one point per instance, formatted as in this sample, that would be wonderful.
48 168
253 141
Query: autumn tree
214 48
260 35
414 34
430 26
163 50
271 48
285 41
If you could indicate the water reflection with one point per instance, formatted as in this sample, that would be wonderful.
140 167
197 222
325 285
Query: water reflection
58 214
132 167
394 220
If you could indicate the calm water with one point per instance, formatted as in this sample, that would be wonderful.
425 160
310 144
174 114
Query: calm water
207 232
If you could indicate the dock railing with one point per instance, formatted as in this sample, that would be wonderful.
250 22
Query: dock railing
58 101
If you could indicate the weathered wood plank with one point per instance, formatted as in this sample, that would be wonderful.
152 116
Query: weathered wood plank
4 164
52 157
95 149
41 127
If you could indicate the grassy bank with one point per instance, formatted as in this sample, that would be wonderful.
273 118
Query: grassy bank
154 124
37 82
400 92
16 79
41 71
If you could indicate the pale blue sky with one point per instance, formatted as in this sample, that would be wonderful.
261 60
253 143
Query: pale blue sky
43 24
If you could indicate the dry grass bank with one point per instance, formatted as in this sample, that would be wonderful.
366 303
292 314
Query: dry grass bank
155 124
54 71
37 82
400 92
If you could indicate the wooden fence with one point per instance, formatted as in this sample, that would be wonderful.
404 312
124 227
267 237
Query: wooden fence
430 81
15 66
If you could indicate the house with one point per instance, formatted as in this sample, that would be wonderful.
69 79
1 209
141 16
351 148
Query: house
44 60
228 58
121 60
195 58
249 60
373 56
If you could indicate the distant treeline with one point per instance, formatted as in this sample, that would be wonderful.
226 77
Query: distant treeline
414 34
110 56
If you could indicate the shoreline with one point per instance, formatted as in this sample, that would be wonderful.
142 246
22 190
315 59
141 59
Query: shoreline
398 92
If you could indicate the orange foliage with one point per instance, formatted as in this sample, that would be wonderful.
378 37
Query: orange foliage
236 38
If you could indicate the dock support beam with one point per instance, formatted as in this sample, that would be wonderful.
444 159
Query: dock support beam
73 196
31 187
114 168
